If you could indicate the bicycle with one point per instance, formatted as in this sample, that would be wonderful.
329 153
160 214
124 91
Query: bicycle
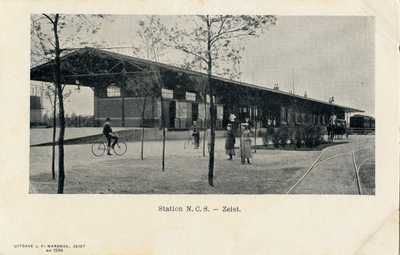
188 141
99 147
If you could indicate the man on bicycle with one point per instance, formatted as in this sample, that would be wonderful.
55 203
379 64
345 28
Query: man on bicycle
107 131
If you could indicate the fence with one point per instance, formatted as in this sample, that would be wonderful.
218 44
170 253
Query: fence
80 121
77 121
361 131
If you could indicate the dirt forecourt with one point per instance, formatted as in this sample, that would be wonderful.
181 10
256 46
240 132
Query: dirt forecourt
271 171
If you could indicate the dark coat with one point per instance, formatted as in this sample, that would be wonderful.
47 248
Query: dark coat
107 129
230 140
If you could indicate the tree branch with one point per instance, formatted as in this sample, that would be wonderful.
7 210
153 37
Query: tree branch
184 49
216 37
48 18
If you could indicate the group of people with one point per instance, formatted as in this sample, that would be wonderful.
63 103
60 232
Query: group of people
244 130
245 140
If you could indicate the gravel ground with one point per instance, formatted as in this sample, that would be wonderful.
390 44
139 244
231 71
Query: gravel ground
271 171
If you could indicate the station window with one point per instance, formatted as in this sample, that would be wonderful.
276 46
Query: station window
190 96
113 91
167 93
36 90
182 110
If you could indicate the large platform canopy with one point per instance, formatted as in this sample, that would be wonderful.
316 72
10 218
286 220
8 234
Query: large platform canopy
97 69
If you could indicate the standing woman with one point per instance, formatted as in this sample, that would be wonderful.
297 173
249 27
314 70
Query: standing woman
230 142
196 134
245 143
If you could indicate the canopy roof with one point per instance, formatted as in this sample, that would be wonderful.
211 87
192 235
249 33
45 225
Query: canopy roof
97 68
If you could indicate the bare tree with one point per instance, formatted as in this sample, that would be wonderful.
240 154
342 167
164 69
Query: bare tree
210 40
49 93
148 81
53 39
143 85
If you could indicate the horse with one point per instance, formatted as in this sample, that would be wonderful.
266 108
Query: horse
331 133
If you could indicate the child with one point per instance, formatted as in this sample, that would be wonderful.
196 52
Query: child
230 142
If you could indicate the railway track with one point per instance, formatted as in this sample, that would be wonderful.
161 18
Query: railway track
357 147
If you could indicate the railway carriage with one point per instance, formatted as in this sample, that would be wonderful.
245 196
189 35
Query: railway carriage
362 121
362 124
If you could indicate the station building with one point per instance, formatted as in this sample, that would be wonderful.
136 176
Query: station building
36 104
126 87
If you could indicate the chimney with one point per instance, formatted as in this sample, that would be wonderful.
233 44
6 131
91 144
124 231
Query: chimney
276 86
305 94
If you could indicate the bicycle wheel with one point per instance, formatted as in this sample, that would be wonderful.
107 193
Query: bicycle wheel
120 148
98 149
187 142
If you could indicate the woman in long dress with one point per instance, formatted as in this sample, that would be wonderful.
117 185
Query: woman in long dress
230 142
196 134
245 143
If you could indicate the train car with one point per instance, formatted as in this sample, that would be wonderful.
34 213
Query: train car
372 122
362 124
361 121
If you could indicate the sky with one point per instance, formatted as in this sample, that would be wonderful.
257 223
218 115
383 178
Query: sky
323 56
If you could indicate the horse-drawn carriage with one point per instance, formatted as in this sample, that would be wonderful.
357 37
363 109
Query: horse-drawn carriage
336 129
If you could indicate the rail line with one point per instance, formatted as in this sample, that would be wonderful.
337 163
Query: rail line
356 168
357 175
341 155
311 167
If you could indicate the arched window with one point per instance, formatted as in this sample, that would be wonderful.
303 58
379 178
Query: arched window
113 91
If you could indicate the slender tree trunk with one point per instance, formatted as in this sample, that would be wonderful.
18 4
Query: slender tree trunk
205 123
123 98
242 159
163 150
163 132
53 172
255 133
144 107
98 110
163 127
61 176
211 161
204 140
